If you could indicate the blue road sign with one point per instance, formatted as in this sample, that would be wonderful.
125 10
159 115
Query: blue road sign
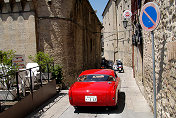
149 16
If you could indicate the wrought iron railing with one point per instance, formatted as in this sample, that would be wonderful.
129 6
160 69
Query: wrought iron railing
22 83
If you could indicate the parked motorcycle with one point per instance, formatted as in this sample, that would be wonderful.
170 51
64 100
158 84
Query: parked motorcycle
118 66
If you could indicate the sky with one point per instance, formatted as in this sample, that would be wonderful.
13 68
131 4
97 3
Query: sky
99 5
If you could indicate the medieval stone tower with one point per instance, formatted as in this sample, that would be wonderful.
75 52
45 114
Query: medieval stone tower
68 30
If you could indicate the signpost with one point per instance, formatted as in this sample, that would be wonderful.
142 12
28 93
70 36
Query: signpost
149 20
19 60
127 14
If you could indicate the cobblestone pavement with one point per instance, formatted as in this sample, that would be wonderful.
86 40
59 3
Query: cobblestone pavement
131 104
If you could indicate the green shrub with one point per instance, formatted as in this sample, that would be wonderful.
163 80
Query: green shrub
43 60
7 68
57 73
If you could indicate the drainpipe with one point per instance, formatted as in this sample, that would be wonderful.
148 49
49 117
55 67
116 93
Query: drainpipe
116 30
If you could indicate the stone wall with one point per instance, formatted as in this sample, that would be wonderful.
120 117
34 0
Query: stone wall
69 31
110 31
165 61
124 51
17 27
117 39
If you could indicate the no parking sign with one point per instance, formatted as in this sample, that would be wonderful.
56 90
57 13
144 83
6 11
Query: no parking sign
149 20
149 16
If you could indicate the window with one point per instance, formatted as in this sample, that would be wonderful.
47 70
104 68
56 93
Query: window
95 78
111 78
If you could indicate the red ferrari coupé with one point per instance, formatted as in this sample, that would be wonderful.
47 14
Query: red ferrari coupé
96 87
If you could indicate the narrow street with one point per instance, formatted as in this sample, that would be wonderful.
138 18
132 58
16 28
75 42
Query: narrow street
131 104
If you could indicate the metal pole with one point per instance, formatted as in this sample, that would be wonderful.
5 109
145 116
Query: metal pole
31 80
48 71
40 76
154 80
18 93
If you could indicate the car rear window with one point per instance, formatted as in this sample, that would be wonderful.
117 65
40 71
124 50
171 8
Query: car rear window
95 78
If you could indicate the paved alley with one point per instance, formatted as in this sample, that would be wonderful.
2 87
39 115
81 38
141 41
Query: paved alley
132 104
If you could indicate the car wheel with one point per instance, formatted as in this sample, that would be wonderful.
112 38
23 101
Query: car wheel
118 94
118 99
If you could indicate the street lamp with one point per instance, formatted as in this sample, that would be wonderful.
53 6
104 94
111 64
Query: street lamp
125 22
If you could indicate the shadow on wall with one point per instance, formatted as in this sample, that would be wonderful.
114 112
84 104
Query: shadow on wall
17 16
52 30
161 64
56 35
15 10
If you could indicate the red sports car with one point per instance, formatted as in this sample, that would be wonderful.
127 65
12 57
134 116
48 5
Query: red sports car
96 87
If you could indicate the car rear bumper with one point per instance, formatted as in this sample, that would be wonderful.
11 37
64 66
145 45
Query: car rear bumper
103 100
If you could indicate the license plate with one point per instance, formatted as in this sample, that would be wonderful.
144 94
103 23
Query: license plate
90 98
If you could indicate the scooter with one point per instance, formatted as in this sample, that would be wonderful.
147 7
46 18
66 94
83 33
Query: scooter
120 68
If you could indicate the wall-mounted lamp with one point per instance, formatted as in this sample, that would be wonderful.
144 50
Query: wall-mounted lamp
125 22
49 2
6 1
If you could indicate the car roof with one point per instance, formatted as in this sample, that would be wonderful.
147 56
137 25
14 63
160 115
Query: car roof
98 71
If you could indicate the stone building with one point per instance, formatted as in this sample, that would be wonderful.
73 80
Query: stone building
110 30
124 51
117 39
68 30
17 27
139 51
165 57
